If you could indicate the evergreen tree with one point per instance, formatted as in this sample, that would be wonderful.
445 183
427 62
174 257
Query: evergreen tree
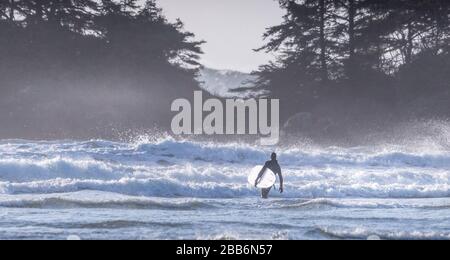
337 49
306 48
54 48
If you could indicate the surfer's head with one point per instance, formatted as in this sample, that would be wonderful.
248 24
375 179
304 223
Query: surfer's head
273 156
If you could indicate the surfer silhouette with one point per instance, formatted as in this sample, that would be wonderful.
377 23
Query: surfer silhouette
275 168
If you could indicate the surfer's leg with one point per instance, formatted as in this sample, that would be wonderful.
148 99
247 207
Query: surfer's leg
265 193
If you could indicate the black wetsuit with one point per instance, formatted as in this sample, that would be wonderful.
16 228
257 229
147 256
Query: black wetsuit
275 168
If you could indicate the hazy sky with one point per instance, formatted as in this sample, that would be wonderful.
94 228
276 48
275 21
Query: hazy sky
232 28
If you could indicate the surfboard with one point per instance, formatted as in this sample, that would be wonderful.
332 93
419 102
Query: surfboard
268 179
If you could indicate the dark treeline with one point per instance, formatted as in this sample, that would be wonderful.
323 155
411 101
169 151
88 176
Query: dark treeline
359 64
78 69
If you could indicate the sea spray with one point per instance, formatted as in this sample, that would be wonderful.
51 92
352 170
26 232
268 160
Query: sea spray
170 168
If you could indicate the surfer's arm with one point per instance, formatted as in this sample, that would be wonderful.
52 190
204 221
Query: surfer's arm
281 178
281 182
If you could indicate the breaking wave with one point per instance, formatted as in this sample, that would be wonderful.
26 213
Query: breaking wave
362 234
181 168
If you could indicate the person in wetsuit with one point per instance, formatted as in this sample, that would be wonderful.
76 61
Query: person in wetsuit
275 168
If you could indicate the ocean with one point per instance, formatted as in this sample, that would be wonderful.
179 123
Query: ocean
172 189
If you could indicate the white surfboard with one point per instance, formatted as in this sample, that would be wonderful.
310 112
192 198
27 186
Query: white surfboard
268 179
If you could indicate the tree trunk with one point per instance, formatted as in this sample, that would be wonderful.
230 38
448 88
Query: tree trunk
351 38
437 39
410 44
39 12
351 29
12 8
323 44
52 13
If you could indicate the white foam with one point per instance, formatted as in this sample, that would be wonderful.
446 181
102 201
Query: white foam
363 233
171 168
94 199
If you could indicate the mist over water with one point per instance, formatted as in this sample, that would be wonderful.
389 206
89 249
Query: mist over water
412 164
